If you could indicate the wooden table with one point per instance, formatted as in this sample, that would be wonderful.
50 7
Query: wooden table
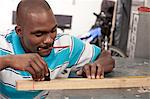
124 68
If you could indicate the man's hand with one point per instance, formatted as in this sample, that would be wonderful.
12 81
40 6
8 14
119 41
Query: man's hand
92 71
32 63
105 63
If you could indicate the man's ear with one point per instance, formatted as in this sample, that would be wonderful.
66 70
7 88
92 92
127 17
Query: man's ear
18 30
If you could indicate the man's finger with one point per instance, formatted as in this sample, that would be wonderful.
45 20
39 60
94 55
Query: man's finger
102 74
37 70
93 70
79 72
40 65
100 71
44 65
86 69
31 71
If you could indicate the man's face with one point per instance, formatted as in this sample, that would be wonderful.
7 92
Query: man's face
38 33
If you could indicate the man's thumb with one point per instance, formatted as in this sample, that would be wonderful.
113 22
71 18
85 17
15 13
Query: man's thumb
79 72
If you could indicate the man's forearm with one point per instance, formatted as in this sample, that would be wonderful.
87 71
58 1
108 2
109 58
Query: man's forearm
3 62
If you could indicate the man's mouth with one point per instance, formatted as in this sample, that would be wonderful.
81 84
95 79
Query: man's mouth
44 51
44 48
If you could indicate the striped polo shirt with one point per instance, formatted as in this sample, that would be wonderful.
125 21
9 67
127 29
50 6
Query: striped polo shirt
76 55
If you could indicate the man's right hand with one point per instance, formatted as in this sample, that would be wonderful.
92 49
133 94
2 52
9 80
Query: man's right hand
32 63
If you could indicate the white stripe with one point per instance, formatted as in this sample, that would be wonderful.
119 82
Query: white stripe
54 74
72 47
10 77
83 49
5 45
86 55
64 40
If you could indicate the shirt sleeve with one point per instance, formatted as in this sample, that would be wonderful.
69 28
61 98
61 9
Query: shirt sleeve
82 53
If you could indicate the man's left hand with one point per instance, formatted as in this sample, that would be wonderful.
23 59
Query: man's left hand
92 71
95 70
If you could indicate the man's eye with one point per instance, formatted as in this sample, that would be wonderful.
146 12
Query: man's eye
38 34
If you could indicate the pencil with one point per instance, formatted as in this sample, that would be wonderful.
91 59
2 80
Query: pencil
59 46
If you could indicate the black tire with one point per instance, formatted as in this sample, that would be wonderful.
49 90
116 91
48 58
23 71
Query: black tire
117 52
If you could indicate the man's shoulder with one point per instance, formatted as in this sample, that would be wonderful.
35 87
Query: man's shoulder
2 38
62 40
62 36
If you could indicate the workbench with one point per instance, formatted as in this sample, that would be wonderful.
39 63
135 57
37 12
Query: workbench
125 67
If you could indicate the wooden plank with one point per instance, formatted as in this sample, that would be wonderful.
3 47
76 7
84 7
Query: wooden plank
84 83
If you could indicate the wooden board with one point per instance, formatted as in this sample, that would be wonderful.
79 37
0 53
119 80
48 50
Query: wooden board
84 83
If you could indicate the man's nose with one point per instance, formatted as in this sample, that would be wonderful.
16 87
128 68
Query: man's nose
48 39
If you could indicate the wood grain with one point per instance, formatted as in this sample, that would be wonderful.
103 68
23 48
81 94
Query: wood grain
84 83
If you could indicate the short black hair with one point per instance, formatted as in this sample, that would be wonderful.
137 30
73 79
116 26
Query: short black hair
30 5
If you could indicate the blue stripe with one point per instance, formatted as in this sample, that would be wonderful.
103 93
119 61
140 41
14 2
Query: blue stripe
96 52
59 66
15 40
77 48
24 74
9 36
55 60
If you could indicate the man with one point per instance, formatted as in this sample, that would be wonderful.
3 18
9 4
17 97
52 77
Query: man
35 50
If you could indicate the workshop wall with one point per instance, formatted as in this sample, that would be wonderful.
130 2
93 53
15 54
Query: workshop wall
80 10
